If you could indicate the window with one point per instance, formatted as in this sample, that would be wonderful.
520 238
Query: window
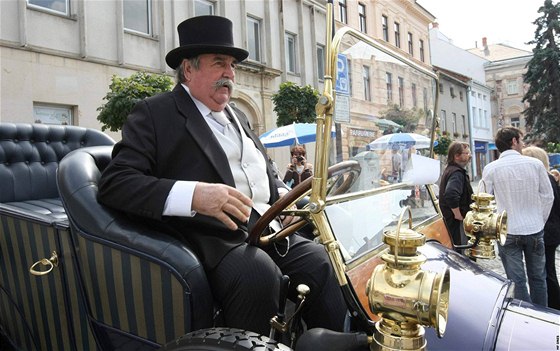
362 13
343 13
441 88
397 28
291 61
367 90
389 81
512 86
410 45
421 50
385 27
203 7
475 118
400 81
414 97
138 16
52 114
254 39
56 6
461 95
464 124
443 118
452 92
321 62
454 122
515 122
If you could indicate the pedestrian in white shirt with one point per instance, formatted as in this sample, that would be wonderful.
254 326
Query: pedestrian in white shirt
522 188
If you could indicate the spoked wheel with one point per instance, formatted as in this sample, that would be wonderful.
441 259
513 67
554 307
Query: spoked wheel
224 339
336 184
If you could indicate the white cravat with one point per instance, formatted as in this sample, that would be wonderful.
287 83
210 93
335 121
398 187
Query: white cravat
220 117
228 129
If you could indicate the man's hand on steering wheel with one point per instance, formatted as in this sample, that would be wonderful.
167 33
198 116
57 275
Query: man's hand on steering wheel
256 234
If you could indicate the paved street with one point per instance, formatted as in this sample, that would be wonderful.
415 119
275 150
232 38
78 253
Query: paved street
495 265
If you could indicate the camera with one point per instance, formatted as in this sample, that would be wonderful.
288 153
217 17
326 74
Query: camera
300 160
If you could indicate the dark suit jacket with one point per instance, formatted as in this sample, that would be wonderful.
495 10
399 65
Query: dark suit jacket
164 139
552 225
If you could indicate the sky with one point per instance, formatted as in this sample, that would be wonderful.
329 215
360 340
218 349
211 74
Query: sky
501 21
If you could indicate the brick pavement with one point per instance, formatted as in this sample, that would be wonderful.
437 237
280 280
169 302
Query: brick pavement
495 264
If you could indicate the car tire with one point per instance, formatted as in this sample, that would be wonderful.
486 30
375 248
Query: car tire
224 339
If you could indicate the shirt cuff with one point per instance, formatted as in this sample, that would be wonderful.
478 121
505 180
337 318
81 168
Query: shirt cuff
283 191
179 200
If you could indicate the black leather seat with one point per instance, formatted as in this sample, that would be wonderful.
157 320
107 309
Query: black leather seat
29 158
33 229
141 286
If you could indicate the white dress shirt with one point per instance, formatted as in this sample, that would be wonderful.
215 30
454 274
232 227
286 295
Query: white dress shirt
522 188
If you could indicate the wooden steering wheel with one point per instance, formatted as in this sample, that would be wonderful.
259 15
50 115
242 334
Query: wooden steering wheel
336 184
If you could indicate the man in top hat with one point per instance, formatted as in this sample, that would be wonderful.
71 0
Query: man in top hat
189 164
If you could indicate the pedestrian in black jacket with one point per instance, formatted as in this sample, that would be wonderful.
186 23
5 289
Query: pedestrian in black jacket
455 191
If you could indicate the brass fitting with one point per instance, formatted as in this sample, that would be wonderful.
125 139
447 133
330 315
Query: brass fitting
483 226
405 296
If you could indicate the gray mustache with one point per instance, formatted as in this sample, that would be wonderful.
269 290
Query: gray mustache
224 82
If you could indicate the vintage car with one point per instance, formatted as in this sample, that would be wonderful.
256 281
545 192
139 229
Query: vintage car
75 275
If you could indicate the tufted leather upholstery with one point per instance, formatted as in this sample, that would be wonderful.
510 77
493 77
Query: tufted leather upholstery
29 158
96 228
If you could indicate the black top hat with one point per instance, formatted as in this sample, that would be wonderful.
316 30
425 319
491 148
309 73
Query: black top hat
204 35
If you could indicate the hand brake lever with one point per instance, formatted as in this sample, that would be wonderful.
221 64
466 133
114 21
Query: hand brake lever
277 322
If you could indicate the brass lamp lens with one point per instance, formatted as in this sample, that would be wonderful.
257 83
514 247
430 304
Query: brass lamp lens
442 308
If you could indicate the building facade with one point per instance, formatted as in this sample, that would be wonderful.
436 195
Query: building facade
504 75
58 56
477 97
506 78
374 84
453 109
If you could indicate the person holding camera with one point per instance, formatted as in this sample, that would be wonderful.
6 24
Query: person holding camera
298 170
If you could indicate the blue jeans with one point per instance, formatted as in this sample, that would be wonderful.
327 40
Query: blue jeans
532 247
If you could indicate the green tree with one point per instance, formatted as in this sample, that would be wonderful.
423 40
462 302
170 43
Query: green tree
408 118
293 103
124 93
553 148
443 143
542 115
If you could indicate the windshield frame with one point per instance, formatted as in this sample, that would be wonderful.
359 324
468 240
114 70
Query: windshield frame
325 110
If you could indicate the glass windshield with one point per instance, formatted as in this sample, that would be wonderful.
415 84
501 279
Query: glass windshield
359 223
383 118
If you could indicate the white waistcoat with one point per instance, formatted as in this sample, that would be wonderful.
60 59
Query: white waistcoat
248 166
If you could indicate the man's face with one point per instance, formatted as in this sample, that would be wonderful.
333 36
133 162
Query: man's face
212 83
464 157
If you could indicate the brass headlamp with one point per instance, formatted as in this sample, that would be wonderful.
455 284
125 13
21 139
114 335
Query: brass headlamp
405 296
483 226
